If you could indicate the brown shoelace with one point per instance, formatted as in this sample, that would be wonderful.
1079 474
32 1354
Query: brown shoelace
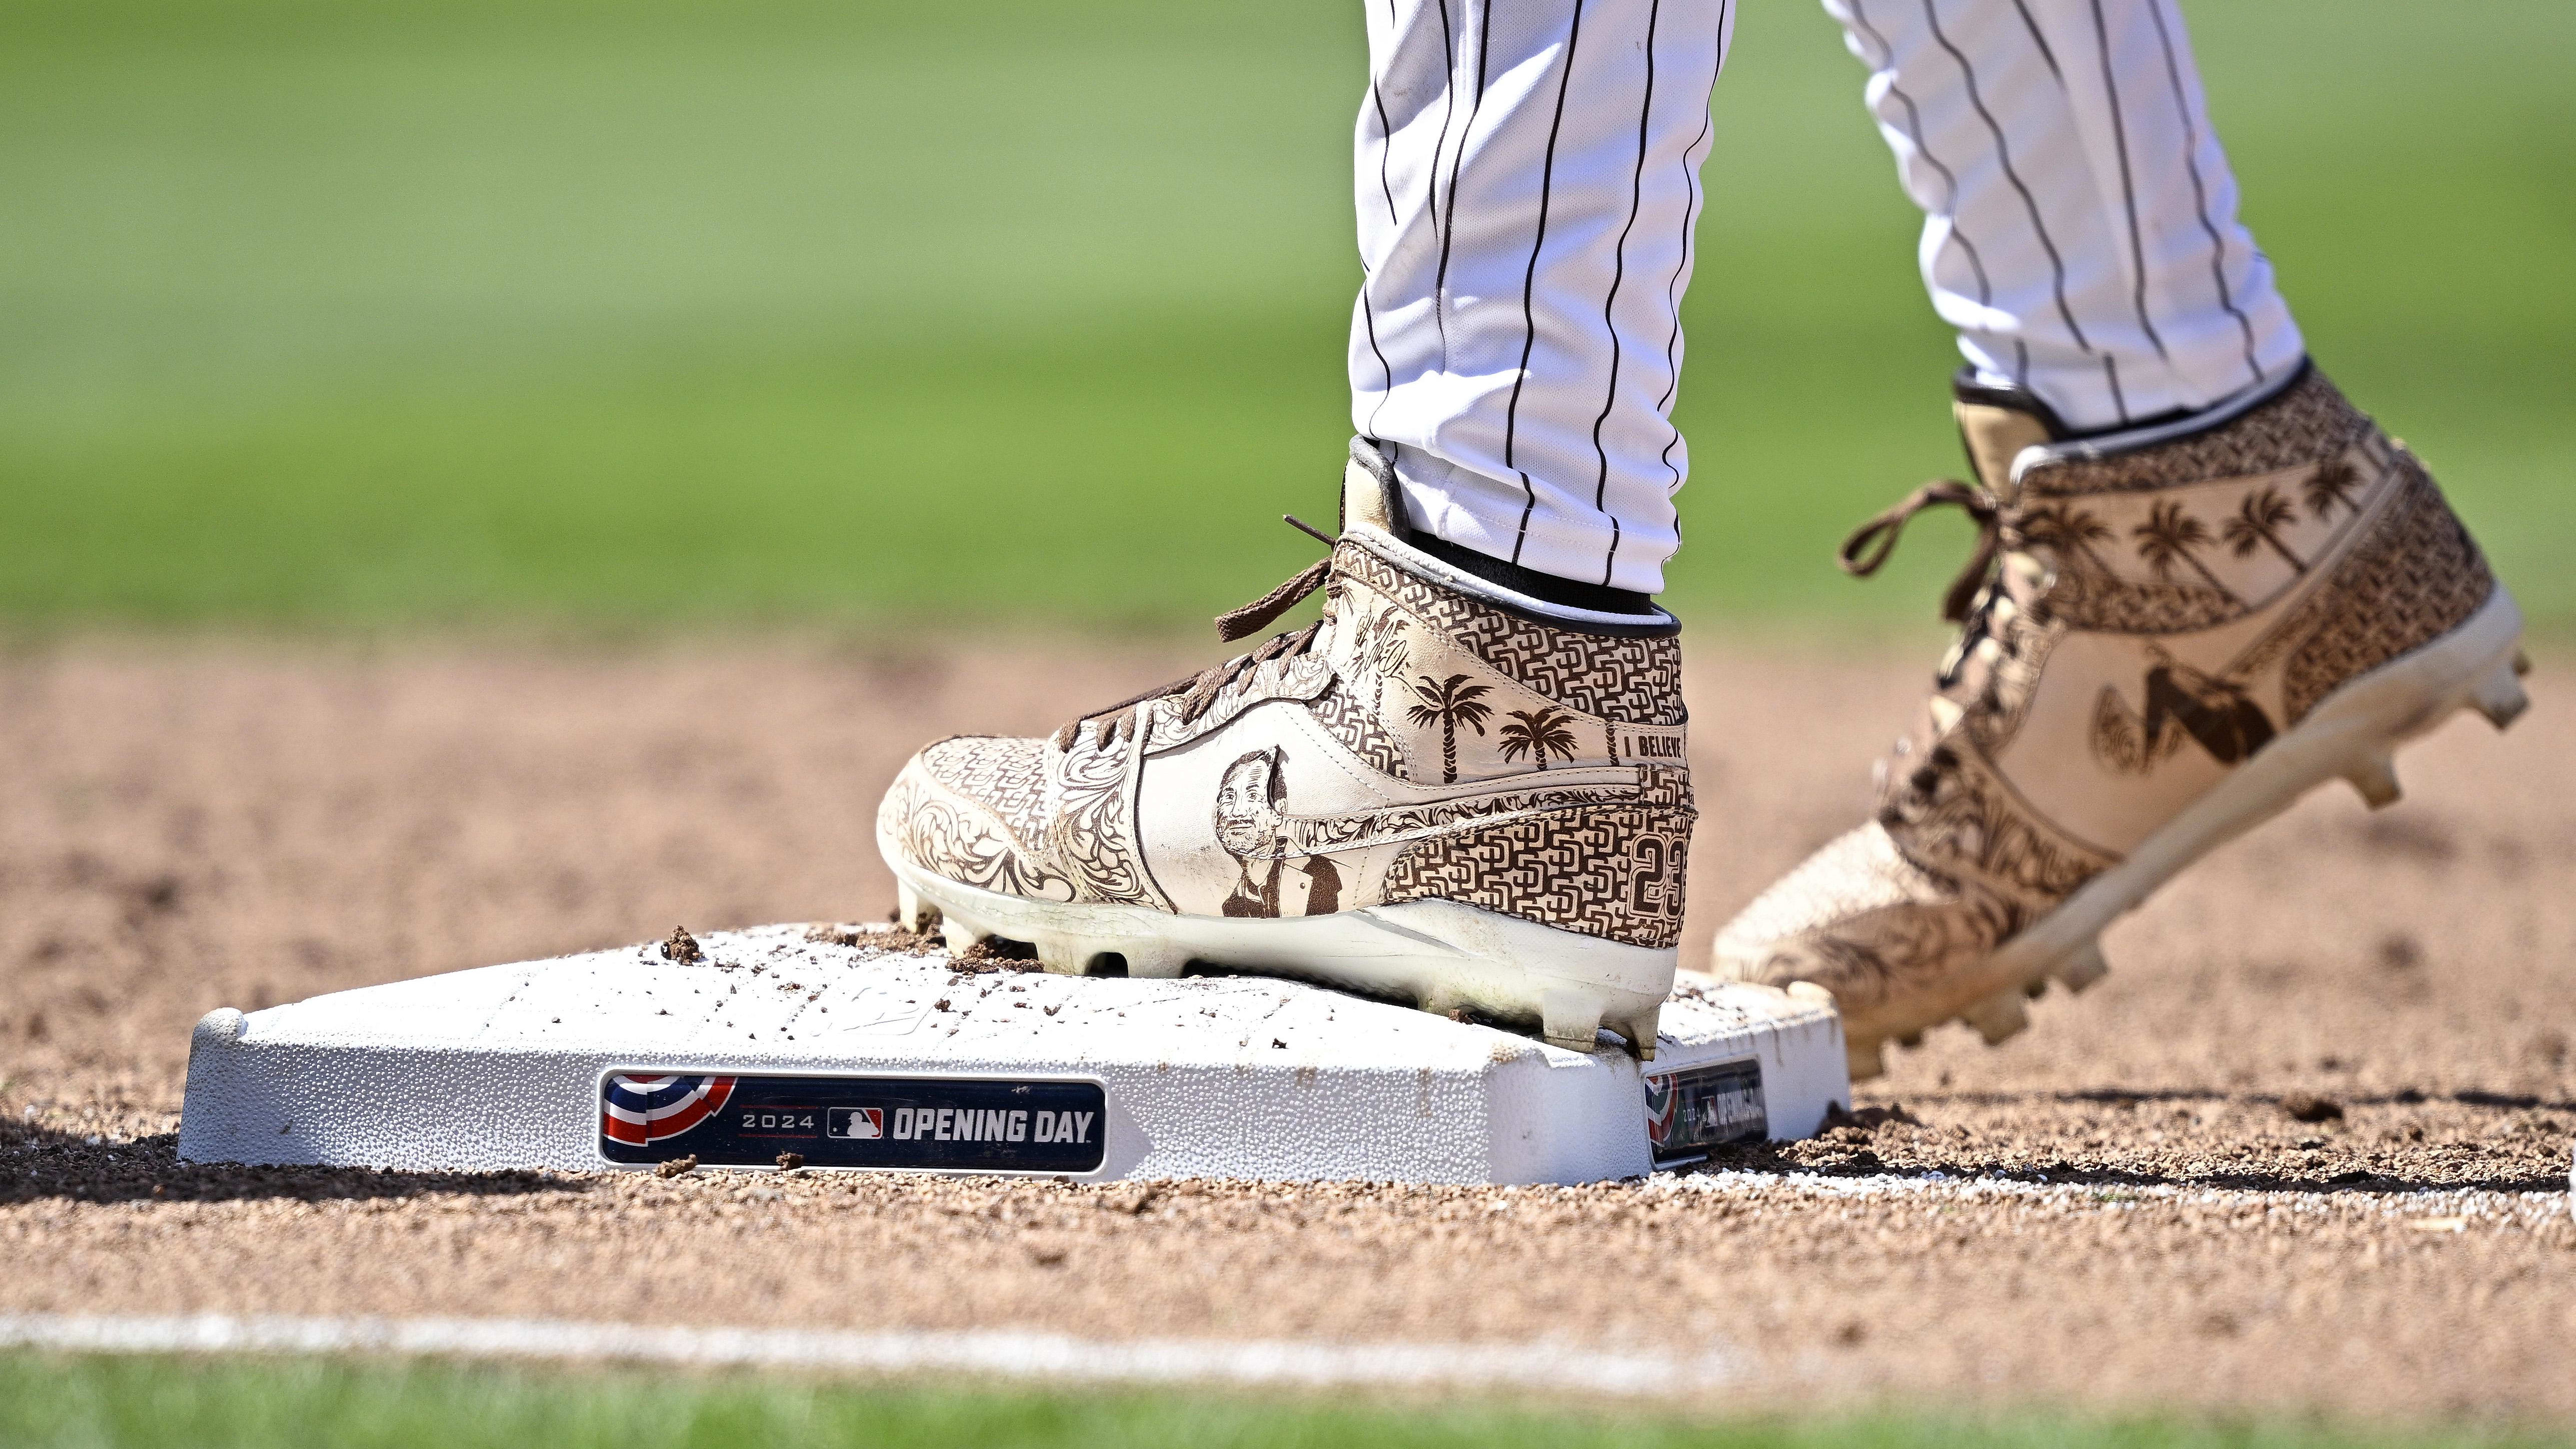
1871 543
1201 689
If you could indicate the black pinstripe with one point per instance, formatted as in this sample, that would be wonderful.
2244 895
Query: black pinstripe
2111 370
1440 143
1618 276
1914 122
1385 129
1449 228
1529 284
2041 41
2128 187
1672 288
2003 154
1368 315
2200 192
1386 136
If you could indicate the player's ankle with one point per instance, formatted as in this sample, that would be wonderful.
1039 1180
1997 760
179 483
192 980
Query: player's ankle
1503 573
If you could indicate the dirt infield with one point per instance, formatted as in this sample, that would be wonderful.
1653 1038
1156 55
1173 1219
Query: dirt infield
2307 1145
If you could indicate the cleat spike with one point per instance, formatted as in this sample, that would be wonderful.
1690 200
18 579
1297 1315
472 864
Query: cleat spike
1061 957
1641 1032
1865 1060
960 936
1570 1022
1999 1017
1810 993
1155 960
913 913
2083 968
2501 699
2377 782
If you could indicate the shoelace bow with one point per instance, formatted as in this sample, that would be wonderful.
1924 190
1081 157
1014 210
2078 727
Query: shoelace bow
1871 543
1200 690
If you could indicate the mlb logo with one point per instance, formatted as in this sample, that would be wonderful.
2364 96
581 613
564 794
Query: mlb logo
858 1122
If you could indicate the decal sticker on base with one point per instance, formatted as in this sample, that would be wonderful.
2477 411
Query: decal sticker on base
987 1124
637 1110
1689 1112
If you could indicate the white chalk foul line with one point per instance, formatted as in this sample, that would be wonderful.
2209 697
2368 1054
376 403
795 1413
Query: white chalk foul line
2478 1203
1003 1353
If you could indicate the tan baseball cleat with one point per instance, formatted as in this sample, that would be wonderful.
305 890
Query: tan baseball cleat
1443 791
2170 634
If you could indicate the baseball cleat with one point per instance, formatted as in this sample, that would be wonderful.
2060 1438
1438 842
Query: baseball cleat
1443 792
2169 635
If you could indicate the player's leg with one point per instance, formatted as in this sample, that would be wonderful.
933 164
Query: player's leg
2205 583
1467 783
1527 184
2080 216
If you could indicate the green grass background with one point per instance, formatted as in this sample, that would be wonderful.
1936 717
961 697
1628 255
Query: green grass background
149 1403
465 310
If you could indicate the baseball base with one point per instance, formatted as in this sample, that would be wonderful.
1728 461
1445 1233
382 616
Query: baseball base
851 1047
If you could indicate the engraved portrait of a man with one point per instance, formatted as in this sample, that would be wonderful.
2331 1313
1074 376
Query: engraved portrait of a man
1250 829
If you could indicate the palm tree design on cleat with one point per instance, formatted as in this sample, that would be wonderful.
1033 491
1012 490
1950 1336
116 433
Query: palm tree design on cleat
2260 517
2170 536
1538 735
2071 533
1449 703
2332 483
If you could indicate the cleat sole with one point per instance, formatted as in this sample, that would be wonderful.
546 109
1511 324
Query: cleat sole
1439 955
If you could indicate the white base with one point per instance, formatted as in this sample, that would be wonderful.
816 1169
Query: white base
1217 1076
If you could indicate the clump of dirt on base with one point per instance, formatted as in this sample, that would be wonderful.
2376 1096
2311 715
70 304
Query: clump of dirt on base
682 947
995 954
676 1166
790 1161
873 939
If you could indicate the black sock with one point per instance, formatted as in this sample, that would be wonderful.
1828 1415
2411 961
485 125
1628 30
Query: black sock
1571 593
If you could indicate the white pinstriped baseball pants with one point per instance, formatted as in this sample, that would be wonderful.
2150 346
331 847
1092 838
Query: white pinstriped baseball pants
1527 184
